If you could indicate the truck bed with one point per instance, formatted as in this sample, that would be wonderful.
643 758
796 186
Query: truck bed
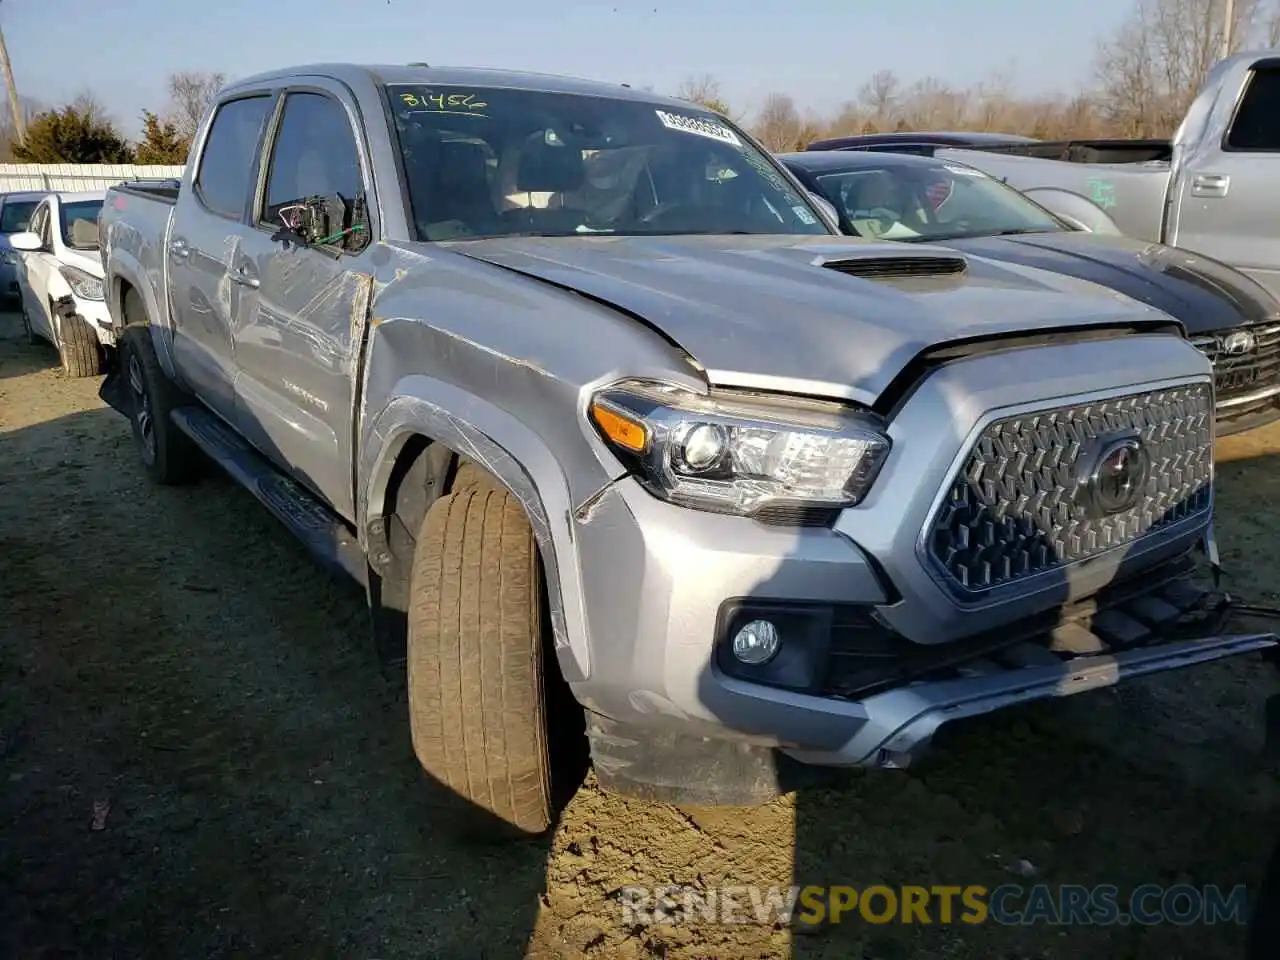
1086 151
164 190
134 231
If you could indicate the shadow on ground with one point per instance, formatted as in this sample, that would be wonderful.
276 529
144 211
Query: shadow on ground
174 670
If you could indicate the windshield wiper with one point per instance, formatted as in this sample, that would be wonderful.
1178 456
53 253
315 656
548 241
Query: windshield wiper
1017 231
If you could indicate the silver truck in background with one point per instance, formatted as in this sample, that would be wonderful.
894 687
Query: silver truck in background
1211 189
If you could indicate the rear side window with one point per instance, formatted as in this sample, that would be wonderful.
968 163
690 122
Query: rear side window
226 173
1257 122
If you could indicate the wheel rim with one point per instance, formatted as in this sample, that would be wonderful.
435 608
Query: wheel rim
142 410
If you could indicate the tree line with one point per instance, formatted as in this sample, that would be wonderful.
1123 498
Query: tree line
1145 77
83 132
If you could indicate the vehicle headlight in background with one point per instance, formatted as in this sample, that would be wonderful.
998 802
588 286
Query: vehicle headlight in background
740 454
83 285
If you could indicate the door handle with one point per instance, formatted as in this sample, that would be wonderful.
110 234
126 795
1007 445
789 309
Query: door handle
178 249
244 279
1210 185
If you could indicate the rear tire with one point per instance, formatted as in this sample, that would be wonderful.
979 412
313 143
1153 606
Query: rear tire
477 708
168 454
78 347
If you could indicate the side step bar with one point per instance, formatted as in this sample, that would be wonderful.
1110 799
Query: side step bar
321 530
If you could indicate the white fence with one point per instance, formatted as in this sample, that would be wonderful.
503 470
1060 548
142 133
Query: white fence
76 176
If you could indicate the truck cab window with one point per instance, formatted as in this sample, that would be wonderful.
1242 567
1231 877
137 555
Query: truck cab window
225 177
314 155
1257 122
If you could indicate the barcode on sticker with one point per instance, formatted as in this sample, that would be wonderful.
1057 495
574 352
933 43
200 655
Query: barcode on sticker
700 126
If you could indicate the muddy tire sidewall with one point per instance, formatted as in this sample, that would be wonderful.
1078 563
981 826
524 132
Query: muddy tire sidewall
475 663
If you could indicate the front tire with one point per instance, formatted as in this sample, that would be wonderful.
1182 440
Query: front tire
78 347
477 705
167 453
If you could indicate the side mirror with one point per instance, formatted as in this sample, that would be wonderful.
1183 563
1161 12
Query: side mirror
26 241
825 205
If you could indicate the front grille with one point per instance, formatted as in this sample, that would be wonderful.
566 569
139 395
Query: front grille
1023 502
1253 369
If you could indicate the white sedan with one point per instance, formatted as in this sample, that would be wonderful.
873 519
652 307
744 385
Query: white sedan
60 280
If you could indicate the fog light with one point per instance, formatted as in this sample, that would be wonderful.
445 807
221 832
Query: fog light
756 643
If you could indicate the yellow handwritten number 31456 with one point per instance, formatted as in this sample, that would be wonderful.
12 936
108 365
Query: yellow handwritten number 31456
462 102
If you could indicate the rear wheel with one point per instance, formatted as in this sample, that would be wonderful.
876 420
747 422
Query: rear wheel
477 703
78 347
167 453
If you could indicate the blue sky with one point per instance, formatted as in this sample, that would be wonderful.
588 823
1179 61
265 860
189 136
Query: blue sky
819 51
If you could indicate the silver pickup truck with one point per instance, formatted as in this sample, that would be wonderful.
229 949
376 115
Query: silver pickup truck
1211 189
631 450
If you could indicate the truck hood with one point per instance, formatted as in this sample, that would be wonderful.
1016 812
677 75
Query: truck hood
1203 293
764 312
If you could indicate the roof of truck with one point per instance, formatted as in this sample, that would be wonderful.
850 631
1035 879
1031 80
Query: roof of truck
465 76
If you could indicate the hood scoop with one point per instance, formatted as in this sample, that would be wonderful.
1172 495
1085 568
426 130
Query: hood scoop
899 267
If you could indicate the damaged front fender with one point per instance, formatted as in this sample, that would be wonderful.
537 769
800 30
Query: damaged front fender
497 442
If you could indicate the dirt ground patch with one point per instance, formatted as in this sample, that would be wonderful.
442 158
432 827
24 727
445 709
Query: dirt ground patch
172 665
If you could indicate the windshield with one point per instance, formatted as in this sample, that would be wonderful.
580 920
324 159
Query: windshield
502 162
932 201
80 224
16 214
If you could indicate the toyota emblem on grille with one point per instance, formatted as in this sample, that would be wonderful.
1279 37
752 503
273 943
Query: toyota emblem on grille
1238 343
1118 476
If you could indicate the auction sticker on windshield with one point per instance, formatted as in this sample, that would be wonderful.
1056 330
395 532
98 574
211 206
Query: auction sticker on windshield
700 126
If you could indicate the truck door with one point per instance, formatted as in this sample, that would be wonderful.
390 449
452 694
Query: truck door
301 319
1227 204
208 228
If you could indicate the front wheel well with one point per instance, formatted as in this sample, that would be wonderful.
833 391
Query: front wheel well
423 471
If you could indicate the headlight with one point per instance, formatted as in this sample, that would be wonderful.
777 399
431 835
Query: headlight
83 285
740 454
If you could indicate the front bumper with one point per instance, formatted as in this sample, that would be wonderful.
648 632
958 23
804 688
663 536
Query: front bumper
658 580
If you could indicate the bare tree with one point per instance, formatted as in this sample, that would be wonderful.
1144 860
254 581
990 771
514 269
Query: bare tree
878 98
190 95
704 90
1151 70
778 124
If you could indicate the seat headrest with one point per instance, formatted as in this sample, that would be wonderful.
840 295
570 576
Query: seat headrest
84 233
549 168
